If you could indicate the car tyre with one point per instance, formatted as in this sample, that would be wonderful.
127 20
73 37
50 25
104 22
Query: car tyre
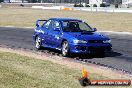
38 43
65 49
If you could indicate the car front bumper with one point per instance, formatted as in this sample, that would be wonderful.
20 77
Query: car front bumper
89 48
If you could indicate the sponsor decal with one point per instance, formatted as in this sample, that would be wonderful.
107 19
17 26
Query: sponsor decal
39 31
86 81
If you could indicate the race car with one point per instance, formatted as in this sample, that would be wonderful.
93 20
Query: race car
70 36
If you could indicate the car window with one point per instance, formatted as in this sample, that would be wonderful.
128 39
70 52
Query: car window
47 24
75 26
54 24
84 26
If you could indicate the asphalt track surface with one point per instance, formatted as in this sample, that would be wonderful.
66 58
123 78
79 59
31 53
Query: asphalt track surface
120 58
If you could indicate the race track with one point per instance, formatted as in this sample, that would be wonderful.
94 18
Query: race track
120 58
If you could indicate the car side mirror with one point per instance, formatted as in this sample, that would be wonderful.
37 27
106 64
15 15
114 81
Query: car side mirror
95 29
56 29
37 25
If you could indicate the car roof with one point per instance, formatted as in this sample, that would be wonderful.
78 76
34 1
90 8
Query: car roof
64 19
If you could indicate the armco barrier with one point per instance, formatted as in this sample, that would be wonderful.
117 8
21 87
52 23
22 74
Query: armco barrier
100 9
54 7
92 9
43 7
37 7
66 8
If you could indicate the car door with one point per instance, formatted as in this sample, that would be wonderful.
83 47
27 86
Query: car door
55 35
45 29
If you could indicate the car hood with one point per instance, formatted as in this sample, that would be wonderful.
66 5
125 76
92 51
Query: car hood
88 36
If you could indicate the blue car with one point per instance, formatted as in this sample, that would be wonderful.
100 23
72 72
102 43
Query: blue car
70 36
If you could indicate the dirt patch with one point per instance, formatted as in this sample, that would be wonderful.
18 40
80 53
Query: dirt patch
108 73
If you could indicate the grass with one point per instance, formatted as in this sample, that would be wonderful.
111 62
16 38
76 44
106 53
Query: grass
25 72
23 17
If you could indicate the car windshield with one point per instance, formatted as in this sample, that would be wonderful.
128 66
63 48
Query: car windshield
76 26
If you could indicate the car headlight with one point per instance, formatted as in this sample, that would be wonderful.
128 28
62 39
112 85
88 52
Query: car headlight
79 41
107 41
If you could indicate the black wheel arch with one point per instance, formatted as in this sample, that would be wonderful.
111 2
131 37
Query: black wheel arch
35 37
63 41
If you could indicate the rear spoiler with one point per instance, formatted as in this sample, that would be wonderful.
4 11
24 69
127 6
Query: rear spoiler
37 22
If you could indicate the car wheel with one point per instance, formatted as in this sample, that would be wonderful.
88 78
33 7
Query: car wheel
38 43
65 48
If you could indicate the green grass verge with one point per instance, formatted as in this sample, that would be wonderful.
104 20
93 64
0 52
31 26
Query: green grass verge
25 72
23 17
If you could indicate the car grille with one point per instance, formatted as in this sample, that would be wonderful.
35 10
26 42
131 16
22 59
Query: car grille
83 48
99 48
95 41
96 48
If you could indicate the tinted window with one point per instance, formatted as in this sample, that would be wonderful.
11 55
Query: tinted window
75 26
54 24
47 24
